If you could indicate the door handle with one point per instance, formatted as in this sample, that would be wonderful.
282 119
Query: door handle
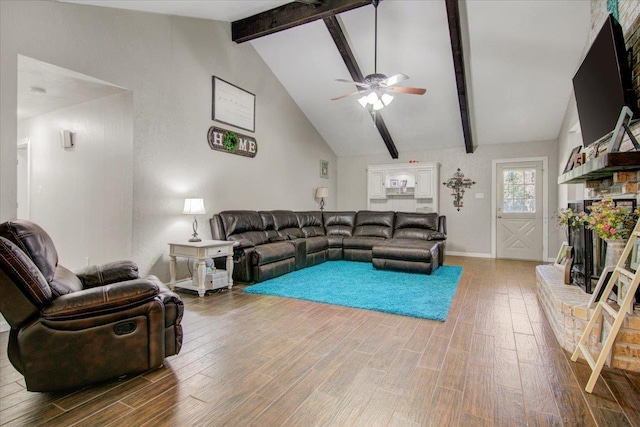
499 216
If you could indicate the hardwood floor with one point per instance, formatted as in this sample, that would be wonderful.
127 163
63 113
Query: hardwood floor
251 360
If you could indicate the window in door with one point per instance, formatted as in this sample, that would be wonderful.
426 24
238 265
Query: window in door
519 190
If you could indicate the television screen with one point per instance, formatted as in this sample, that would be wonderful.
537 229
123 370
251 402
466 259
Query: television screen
602 84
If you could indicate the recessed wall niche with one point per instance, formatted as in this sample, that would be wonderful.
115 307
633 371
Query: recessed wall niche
82 195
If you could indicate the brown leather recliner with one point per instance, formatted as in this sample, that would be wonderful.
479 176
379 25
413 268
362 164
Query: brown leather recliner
69 330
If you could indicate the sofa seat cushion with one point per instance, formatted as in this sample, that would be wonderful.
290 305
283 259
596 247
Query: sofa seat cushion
335 241
317 244
361 242
406 250
272 252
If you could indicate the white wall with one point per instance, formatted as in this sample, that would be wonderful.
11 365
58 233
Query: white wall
469 230
83 195
167 62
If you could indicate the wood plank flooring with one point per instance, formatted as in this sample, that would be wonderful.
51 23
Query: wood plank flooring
252 360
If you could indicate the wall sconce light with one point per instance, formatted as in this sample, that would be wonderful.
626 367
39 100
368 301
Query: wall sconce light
322 193
66 138
194 207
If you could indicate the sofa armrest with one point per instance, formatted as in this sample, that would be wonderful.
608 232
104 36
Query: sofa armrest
114 297
301 252
442 224
113 272
436 235
242 244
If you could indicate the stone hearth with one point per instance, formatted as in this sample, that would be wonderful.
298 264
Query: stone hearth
567 312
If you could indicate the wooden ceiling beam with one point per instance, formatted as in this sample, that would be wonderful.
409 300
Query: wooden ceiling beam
288 16
333 25
453 18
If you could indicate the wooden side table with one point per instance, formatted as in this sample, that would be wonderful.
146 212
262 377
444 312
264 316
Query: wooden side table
200 251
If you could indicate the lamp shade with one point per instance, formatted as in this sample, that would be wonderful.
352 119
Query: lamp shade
322 192
193 207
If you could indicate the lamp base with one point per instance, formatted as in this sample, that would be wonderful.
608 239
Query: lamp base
194 236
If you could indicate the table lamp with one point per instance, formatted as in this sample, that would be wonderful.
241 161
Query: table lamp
321 193
194 207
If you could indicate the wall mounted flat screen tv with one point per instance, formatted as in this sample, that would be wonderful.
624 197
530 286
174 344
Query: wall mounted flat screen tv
602 84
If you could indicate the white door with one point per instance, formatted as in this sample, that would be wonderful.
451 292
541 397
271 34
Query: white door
519 211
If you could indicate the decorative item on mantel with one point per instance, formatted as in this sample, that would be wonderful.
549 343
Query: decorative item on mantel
458 183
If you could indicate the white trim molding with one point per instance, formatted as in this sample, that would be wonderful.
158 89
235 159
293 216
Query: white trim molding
470 254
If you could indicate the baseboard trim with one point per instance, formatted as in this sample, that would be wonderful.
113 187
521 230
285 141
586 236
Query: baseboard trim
469 254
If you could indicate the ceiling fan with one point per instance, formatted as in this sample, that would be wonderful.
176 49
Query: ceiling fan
376 89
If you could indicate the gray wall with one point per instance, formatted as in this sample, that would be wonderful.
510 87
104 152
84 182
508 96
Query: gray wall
469 230
167 62
75 194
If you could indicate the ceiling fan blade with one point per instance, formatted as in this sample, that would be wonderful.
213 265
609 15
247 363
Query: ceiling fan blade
346 96
394 79
353 83
402 89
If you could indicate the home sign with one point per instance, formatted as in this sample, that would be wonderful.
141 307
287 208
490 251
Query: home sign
232 142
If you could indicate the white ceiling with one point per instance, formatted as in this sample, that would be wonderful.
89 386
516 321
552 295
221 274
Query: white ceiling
520 60
43 88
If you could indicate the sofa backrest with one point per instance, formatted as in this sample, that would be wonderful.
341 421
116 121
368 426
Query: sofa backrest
243 225
286 224
339 223
310 223
374 224
269 224
413 225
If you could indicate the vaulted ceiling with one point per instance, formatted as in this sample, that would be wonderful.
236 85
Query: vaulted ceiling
519 58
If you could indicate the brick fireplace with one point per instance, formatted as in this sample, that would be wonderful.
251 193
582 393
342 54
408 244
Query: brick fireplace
566 309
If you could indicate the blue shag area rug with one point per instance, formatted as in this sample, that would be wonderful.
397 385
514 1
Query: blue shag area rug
360 285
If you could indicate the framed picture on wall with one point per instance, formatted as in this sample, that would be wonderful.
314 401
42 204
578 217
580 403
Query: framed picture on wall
233 105
394 183
324 169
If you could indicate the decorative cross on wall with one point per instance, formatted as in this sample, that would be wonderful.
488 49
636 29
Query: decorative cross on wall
458 183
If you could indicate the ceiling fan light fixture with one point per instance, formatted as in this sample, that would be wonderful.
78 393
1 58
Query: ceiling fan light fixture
364 100
386 99
378 105
372 98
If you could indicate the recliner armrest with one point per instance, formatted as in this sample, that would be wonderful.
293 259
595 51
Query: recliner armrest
442 224
113 272
99 300
242 244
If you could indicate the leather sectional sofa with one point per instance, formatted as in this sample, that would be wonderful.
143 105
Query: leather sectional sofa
272 243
